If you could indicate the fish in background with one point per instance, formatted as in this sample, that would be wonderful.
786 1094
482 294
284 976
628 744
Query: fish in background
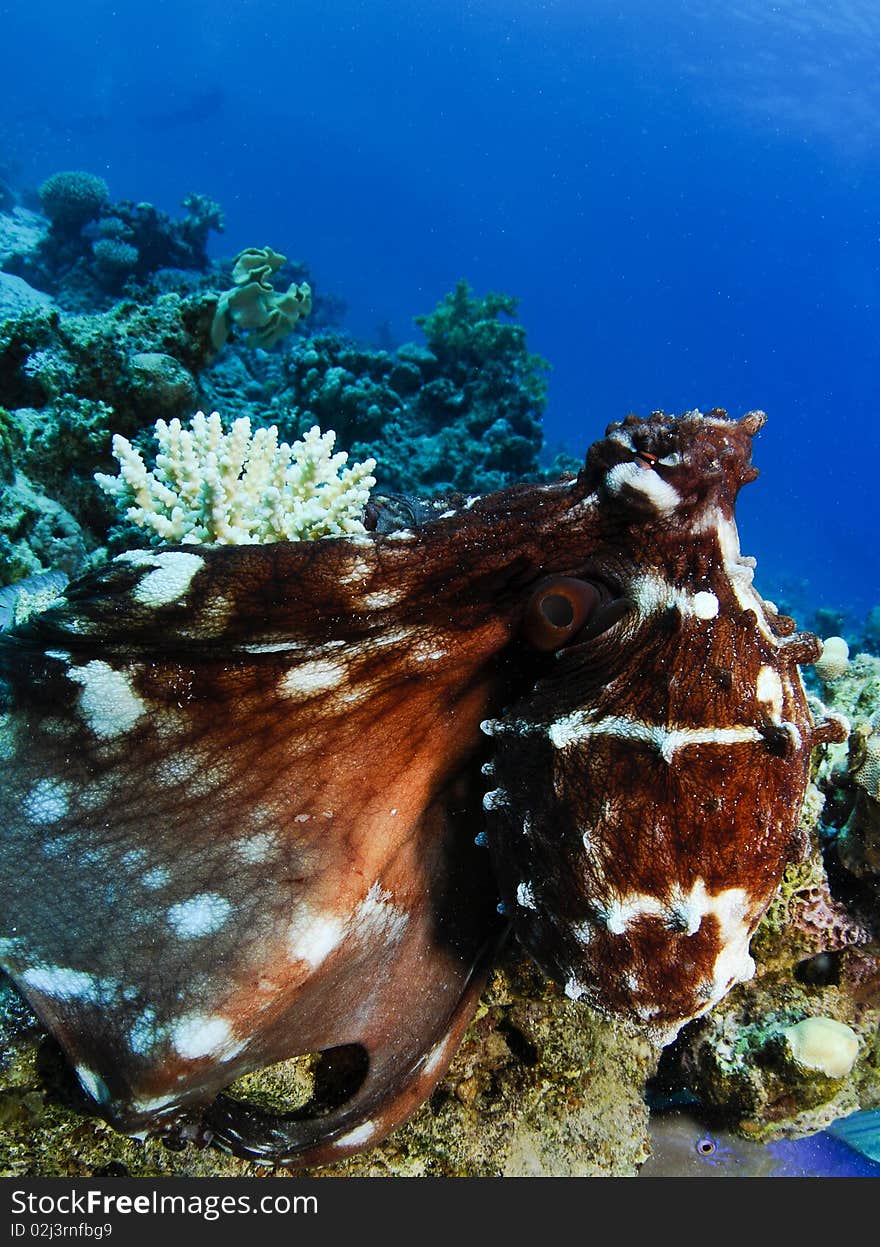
42 587
683 1147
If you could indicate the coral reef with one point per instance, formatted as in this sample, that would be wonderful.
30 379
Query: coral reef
72 199
238 489
460 414
834 659
95 247
540 1085
435 423
67 383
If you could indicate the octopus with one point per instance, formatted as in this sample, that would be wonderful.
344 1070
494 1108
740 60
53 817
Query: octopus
292 798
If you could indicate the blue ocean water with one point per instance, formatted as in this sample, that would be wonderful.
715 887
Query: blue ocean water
685 198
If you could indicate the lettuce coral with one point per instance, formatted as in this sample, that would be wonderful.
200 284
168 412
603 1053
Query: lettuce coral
254 305
236 488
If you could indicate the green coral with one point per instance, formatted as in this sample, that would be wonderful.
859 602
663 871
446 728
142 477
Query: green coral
462 413
469 334
254 305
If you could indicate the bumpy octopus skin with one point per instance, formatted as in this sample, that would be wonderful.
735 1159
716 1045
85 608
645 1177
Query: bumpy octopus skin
247 789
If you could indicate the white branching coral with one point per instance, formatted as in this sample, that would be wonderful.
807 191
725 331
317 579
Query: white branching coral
238 488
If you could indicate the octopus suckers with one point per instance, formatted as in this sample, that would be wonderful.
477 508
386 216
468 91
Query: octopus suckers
496 798
573 989
525 896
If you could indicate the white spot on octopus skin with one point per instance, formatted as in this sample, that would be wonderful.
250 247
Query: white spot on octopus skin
93 1084
578 726
740 574
768 689
200 915
652 593
313 937
64 983
155 878
256 848
381 599
357 1137
705 605
47 801
434 1057
663 496
309 678
153 1106
169 581
360 571
108 701
144 1033
376 915
200 1035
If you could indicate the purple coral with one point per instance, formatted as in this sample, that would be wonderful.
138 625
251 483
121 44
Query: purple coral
816 913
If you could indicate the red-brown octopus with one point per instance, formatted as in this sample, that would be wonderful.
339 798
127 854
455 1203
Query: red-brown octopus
246 789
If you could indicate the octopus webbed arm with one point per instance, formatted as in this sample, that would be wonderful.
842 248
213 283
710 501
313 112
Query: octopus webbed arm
241 797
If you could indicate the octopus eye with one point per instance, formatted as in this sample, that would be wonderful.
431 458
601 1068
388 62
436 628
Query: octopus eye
706 1146
559 609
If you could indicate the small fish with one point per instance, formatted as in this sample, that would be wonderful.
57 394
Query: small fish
860 1131
29 596
682 1147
